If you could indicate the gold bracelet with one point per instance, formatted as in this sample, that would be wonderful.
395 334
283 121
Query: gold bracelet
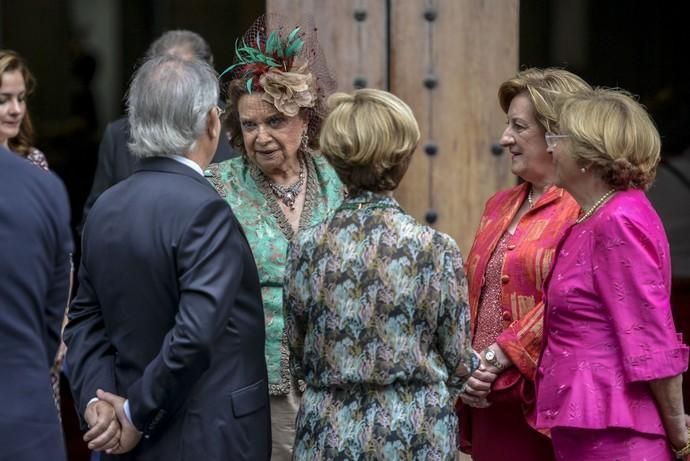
685 451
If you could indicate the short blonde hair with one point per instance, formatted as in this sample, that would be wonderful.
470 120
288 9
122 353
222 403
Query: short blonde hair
369 138
613 134
544 87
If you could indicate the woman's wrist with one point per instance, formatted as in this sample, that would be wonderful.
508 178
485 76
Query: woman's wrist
678 435
681 446
495 357
502 356
676 430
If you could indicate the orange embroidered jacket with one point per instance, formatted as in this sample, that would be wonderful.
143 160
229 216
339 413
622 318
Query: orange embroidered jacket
526 263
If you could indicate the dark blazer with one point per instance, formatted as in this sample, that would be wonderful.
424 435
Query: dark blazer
115 162
169 315
35 263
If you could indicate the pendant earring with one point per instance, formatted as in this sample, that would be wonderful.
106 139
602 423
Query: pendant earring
304 143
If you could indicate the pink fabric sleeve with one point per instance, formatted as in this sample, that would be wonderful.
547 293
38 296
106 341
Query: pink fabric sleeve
631 275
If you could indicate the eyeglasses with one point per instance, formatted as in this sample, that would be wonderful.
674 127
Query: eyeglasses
552 139
221 111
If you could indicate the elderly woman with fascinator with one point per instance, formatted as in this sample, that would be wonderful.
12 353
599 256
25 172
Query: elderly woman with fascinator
609 377
375 303
280 185
511 254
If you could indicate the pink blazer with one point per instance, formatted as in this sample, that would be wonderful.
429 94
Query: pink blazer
608 327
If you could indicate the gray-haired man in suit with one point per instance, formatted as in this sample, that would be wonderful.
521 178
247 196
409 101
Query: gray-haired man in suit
168 318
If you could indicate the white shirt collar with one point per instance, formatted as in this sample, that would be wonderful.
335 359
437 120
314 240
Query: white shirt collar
190 163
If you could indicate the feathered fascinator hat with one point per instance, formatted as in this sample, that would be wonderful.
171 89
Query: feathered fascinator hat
285 64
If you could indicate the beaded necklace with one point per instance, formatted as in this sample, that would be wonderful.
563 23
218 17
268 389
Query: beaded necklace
594 207
288 194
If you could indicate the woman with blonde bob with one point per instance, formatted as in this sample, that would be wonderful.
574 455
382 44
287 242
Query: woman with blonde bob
375 303
609 378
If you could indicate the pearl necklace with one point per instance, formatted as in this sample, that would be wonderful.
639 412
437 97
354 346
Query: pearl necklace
288 194
596 205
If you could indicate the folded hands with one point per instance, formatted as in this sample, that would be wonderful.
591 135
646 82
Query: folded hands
109 427
479 384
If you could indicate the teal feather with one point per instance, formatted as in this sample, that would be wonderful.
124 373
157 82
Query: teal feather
228 70
249 85
271 62
237 53
294 48
274 53
273 43
292 34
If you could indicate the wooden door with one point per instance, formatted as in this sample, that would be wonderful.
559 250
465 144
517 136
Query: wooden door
446 59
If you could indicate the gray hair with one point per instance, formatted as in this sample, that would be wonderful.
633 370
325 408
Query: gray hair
168 104
181 43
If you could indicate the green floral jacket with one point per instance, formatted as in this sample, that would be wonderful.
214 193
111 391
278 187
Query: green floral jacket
269 233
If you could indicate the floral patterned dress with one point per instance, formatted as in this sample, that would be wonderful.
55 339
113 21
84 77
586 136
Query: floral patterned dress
378 327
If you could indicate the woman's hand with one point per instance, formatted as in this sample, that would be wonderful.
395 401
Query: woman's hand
478 386
474 402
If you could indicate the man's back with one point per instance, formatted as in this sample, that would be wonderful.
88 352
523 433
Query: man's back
35 247
165 263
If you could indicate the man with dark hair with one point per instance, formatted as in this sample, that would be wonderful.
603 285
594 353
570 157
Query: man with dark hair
35 250
168 326
115 161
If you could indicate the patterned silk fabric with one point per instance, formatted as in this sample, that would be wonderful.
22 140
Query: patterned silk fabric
489 316
245 188
378 327
526 263
609 328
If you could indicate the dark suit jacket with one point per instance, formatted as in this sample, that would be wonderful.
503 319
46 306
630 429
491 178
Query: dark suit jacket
169 315
35 250
115 162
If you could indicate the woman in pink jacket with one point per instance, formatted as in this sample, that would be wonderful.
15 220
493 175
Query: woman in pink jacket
609 376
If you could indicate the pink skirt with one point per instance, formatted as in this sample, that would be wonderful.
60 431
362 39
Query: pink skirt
574 444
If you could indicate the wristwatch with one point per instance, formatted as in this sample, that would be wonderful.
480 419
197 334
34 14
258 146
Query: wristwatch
490 357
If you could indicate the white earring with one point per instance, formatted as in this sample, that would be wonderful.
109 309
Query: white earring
583 170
